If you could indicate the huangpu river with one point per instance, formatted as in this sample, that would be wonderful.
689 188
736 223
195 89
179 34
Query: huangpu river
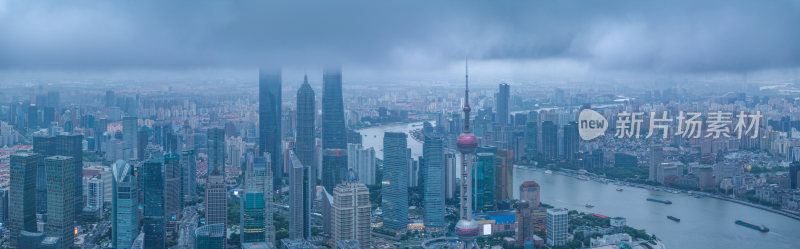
705 222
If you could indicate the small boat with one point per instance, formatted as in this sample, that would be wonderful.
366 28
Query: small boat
619 189
548 172
660 201
761 228
673 218
589 206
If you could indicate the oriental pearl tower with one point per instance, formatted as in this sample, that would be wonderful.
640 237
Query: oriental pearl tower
466 228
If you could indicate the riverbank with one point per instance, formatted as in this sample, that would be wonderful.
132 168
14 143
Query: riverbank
667 189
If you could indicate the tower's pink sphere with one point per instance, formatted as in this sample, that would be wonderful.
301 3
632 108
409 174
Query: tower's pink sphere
467 143
467 229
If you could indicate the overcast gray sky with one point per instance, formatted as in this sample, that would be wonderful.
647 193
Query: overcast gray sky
404 39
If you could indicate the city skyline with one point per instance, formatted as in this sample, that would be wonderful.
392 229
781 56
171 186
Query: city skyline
356 125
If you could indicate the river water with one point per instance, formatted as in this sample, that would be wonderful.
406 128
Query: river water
705 222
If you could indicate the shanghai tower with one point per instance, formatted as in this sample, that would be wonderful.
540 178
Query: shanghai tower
269 119
334 135
304 142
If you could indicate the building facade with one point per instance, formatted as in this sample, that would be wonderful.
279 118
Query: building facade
395 181
269 120
351 212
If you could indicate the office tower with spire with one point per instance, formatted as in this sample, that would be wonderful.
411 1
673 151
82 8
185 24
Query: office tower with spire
433 190
395 181
503 98
22 199
60 199
352 211
305 144
269 120
154 220
299 199
124 206
216 150
466 228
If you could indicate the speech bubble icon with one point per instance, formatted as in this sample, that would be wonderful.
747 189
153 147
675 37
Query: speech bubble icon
591 124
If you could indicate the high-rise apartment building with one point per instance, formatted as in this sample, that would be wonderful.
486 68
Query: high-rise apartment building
549 140
557 224
363 162
351 211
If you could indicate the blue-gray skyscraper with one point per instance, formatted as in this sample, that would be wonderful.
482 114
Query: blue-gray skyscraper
269 120
304 142
395 181
154 221
334 168
22 202
433 191
124 208
60 145
503 98
60 199
334 134
216 150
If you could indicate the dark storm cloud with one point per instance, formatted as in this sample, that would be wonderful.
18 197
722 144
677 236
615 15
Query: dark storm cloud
656 36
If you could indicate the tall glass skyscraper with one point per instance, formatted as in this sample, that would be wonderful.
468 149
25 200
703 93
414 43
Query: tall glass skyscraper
395 181
304 142
299 199
334 134
210 236
22 200
334 168
216 150
503 98
484 181
173 201
252 219
216 200
549 140
269 120
60 145
154 221
189 175
124 207
433 195
60 199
